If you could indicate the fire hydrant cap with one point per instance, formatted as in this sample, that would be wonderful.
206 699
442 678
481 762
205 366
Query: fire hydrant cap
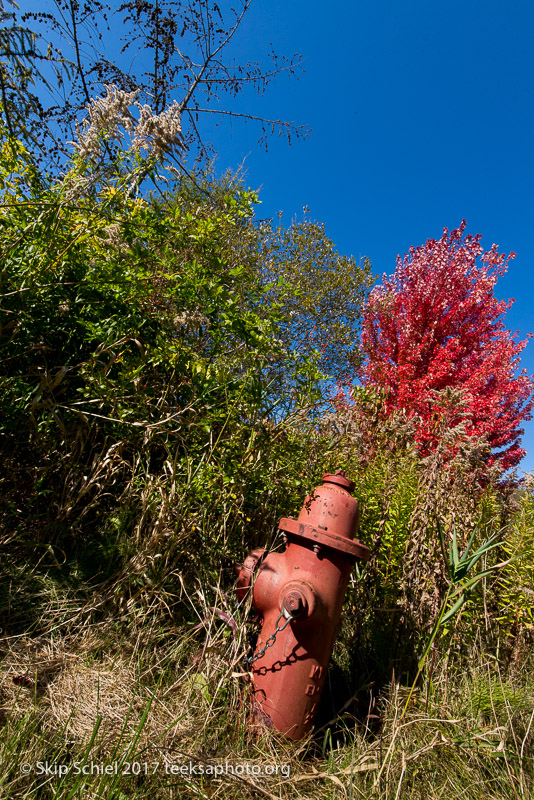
340 479
329 518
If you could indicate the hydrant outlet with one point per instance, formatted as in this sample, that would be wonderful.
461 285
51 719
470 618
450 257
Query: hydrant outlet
245 571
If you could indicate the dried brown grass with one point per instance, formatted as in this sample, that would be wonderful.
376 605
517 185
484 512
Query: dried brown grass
468 735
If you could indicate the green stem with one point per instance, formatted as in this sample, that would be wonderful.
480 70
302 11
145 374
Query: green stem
429 643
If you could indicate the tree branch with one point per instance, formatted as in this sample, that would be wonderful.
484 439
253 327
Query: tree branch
210 56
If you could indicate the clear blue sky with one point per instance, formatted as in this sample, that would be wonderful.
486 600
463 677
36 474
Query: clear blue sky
421 113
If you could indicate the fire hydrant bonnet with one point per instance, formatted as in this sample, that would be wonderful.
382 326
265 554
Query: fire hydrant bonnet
329 518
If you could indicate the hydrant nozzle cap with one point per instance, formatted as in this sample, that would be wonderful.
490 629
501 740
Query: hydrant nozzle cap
339 479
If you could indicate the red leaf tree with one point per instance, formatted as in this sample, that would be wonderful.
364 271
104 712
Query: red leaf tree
436 323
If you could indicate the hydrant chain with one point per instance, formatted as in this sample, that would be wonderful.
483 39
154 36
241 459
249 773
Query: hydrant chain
272 638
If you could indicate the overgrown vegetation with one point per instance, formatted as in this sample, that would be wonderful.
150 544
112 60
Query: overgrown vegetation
150 388
122 702
165 373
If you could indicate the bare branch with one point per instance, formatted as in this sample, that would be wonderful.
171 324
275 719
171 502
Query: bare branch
302 130
210 56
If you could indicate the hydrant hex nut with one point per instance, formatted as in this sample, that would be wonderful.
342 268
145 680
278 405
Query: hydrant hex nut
298 598
296 604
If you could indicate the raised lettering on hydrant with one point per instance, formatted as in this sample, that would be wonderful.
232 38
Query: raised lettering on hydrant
298 595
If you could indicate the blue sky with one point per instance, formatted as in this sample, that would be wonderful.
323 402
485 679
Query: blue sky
421 114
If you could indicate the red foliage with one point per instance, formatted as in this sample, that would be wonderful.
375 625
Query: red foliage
436 323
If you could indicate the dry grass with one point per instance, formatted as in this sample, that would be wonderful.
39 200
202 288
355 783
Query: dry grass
174 696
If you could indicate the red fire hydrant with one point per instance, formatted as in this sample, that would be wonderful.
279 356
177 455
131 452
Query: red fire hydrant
298 595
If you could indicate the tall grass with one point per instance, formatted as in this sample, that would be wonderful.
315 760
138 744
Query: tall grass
465 734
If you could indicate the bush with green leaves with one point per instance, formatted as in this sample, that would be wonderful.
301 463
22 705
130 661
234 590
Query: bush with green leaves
144 417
